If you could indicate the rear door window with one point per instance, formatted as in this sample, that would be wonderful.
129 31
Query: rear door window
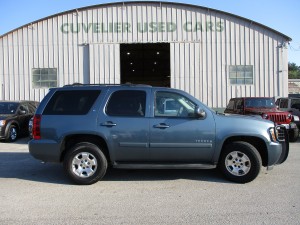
127 103
75 102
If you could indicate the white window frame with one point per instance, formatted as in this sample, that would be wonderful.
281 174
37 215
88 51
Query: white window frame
241 74
44 77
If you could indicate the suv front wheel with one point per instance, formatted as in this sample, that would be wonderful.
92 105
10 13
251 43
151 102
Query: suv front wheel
240 162
85 163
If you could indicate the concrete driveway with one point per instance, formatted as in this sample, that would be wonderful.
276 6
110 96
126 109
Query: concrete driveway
35 193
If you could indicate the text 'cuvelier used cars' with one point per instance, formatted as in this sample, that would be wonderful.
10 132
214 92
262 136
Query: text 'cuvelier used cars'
91 127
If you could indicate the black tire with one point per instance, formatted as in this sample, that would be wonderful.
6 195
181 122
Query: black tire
240 162
12 134
293 134
85 163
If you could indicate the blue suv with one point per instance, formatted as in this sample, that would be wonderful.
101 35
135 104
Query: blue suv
92 127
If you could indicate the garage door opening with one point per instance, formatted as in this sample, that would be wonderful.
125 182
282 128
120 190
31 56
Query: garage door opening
145 64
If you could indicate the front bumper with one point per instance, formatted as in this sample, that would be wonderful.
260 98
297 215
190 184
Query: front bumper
284 141
2 133
278 151
290 126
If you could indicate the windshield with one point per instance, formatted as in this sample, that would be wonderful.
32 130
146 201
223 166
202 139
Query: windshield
8 107
260 103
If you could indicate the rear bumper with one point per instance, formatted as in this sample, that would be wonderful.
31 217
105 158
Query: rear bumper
45 150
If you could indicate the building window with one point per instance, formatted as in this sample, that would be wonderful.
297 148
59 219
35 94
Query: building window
44 77
241 74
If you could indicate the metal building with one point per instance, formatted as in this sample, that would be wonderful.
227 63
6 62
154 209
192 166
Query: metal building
211 54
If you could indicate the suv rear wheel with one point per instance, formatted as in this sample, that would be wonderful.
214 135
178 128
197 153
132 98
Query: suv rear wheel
240 162
85 163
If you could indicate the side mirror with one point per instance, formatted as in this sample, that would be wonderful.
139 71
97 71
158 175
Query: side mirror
200 113
22 112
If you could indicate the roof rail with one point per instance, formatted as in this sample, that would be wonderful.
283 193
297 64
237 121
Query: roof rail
126 84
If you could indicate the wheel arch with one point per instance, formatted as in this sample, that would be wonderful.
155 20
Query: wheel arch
72 140
13 122
10 123
257 142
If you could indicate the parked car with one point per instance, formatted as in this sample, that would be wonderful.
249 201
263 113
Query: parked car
266 108
291 105
294 95
14 118
89 128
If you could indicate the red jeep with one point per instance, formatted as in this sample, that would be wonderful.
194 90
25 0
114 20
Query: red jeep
266 108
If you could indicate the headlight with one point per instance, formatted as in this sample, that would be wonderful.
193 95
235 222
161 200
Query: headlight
295 118
265 116
273 134
289 116
2 122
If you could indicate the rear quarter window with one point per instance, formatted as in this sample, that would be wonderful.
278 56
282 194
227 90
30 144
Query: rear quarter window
71 102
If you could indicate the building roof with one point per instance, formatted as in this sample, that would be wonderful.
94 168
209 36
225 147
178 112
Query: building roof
152 2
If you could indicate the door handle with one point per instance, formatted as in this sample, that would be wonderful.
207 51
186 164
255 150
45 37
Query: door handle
108 124
161 126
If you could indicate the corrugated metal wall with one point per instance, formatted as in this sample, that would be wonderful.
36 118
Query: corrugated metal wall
104 63
84 46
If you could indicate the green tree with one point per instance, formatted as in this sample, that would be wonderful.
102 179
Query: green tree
294 71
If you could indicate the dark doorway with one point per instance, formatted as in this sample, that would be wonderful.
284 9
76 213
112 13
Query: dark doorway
145 64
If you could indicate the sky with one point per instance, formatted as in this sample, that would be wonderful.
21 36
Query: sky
279 15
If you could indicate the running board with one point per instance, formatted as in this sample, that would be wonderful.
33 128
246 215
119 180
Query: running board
162 166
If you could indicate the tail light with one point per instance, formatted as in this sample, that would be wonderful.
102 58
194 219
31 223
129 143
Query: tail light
36 128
